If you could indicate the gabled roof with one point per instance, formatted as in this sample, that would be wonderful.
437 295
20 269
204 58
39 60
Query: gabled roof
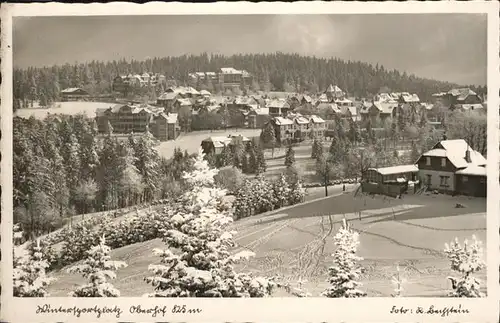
323 98
316 119
245 100
333 89
407 97
280 121
307 98
301 120
461 93
455 151
277 104
385 107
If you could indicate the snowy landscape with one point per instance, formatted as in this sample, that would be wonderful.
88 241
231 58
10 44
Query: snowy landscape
281 174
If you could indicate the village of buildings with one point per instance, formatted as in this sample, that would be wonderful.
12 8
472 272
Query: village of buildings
451 166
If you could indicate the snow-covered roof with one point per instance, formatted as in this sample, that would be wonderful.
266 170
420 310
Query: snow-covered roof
205 93
343 101
230 70
168 96
473 170
385 107
316 119
301 120
396 169
455 150
280 121
221 141
280 103
72 89
333 89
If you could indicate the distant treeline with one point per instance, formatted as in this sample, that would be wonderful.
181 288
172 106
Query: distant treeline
278 71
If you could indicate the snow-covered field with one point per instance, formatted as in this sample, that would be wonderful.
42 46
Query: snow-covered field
69 108
297 242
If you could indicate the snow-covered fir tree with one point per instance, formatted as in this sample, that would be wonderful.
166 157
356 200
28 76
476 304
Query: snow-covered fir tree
98 268
466 260
197 261
345 272
30 279
281 191
289 156
297 192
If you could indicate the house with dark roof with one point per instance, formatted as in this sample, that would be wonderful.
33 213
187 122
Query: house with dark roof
452 166
455 98
74 94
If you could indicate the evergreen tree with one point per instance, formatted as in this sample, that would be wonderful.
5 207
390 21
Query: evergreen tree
289 156
297 192
466 260
281 191
226 157
245 164
238 155
97 269
317 148
198 230
29 278
345 272
260 160
148 162
268 136
252 160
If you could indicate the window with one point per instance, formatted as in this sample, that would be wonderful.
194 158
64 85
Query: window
465 179
444 180
443 162
429 179
428 161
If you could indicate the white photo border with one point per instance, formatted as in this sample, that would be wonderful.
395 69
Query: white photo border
267 309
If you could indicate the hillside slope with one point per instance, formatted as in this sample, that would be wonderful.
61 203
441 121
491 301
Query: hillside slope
297 242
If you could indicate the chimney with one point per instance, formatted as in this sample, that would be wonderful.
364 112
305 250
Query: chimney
467 156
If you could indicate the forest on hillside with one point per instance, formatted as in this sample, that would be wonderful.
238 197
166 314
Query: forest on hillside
277 71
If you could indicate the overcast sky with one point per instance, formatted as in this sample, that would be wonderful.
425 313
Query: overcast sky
450 47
